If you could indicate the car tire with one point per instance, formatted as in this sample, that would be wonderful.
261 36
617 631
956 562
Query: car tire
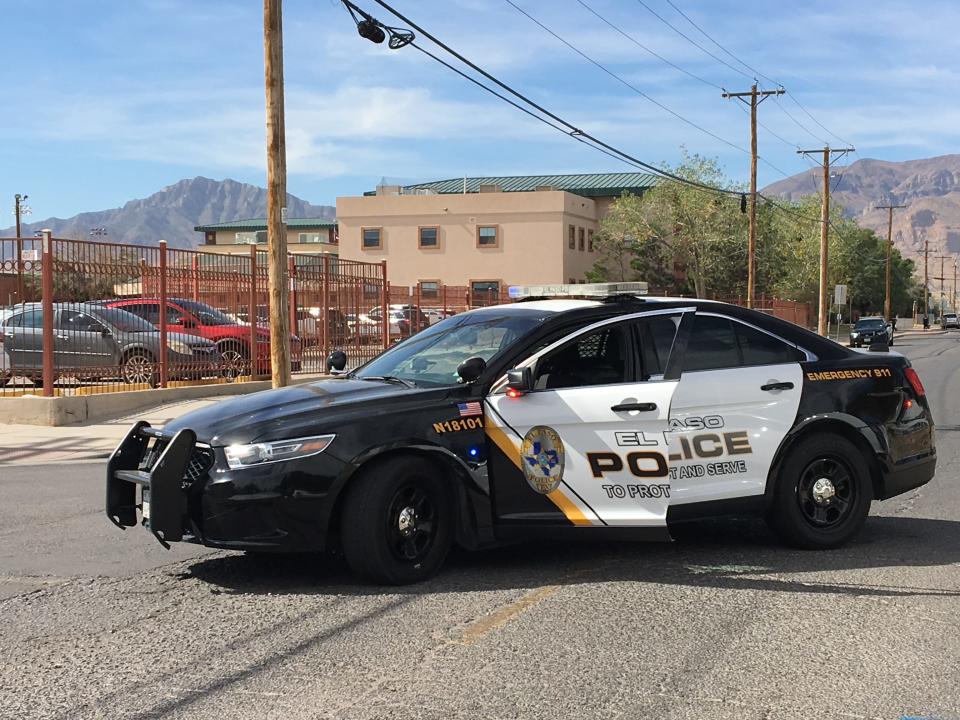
139 367
233 360
804 513
397 522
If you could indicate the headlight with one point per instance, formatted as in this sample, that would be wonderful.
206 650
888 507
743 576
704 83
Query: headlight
241 456
179 346
854 334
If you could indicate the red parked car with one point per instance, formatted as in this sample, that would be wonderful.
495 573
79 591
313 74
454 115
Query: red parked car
196 318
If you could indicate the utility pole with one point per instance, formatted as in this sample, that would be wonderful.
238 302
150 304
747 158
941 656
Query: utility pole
276 196
823 303
953 305
887 303
755 99
18 260
943 282
926 280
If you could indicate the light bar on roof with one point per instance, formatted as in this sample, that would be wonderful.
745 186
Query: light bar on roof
518 292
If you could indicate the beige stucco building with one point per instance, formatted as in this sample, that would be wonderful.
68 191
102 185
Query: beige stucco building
483 233
304 235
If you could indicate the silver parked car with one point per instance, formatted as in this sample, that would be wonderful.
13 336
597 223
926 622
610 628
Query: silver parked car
92 341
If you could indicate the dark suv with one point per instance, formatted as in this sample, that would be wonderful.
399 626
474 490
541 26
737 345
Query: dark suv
196 318
869 330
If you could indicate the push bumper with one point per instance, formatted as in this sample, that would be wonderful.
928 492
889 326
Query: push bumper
163 505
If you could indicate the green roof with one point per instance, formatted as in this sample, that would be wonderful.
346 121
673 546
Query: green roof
253 224
585 184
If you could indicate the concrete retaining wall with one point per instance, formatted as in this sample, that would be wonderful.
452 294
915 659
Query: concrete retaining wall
54 411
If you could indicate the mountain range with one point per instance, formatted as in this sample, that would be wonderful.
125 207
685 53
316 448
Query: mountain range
930 189
172 213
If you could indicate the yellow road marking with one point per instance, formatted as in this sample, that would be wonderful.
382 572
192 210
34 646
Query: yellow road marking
482 626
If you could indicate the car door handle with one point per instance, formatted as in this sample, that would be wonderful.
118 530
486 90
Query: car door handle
642 407
777 386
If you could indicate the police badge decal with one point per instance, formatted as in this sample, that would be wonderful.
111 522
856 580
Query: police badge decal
541 455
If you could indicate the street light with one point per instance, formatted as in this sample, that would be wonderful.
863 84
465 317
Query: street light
20 209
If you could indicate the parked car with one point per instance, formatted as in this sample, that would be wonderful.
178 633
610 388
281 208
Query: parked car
950 320
310 326
364 328
93 341
196 318
404 319
869 330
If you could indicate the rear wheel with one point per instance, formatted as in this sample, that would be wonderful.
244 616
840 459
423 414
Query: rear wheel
397 522
139 368
823 493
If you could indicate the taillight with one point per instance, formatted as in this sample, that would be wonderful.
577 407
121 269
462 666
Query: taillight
914 381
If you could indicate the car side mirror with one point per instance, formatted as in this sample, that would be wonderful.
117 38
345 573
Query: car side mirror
471 369
336 361
519 381
105 332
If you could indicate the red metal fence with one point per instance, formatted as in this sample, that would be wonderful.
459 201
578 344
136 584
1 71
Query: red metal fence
78 317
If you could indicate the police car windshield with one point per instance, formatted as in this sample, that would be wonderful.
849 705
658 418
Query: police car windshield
431 358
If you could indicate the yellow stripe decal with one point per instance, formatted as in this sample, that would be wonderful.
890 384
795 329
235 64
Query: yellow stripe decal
557 497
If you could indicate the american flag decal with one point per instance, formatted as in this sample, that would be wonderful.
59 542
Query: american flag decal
469 409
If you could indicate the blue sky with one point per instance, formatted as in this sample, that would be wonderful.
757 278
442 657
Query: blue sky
109 100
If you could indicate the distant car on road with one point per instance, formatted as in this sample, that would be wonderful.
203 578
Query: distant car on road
869 330
950 320
92 341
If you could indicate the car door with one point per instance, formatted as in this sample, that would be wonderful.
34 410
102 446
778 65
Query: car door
735 403
587 446
23 340
82 341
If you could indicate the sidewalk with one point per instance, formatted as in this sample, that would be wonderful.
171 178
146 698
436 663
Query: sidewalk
39 445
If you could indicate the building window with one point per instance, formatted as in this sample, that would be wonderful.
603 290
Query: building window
210 237
581 234
312 237
589 240
429 289
251 238
262 237
371 237
572 237
484 292
429 237
488 236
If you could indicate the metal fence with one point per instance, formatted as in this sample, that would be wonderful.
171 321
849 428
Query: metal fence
79 317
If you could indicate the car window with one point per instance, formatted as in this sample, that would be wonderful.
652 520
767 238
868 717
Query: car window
595 358
32 318
758 348
655 339
147 311
870 324
712 344
75 321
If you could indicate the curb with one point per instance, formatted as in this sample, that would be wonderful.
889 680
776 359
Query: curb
69 410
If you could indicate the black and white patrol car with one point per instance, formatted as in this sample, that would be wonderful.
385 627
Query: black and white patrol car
607 416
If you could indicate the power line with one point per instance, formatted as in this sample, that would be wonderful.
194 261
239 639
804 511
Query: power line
757 73
692 41
567 128
646 49
624 82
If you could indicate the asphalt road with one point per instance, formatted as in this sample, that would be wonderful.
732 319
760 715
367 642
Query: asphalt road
723 623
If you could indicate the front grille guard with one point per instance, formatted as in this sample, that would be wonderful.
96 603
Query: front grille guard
162 475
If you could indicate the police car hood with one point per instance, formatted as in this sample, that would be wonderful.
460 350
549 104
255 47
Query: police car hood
288 412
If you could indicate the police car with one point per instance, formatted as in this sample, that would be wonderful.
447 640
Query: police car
587 411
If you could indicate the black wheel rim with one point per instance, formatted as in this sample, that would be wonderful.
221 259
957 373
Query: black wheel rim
411 522
826 493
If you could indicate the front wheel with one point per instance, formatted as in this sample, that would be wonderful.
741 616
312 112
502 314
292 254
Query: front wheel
138 368
823 493
397 522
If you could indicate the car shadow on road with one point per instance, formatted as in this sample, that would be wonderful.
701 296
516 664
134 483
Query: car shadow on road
730 553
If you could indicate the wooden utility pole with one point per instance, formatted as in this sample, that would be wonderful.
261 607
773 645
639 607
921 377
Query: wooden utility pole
18 260
943 282
887 303
756 97
926 277
276 196
822 301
